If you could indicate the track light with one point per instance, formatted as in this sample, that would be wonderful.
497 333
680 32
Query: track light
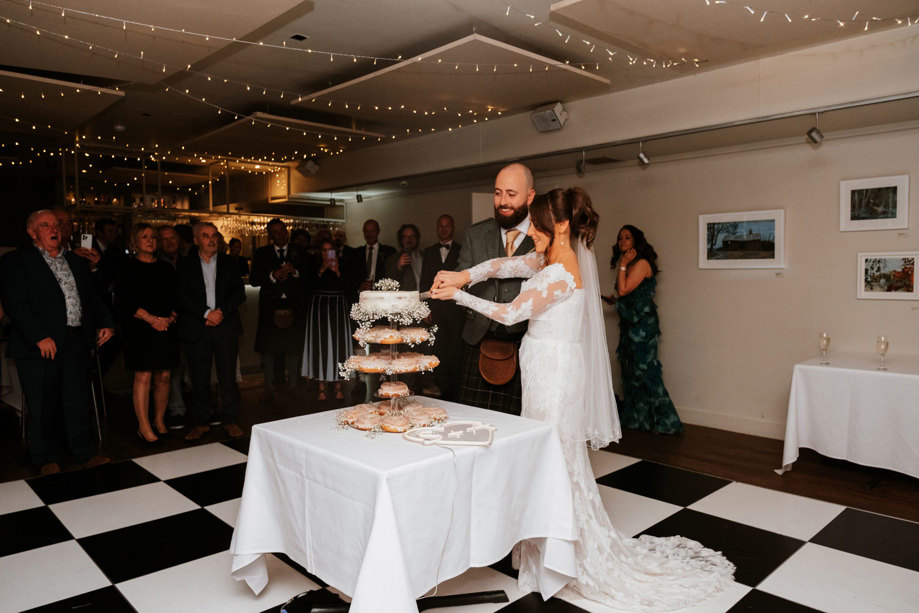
360 198
643 160
581 165
814 135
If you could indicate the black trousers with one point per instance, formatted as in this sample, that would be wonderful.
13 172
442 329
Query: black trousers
57 395
212 348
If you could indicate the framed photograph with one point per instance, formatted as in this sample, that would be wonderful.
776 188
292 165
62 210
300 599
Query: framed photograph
753 239
888 276
881 203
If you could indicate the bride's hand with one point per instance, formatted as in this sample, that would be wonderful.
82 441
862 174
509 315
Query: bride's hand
449 278
444 292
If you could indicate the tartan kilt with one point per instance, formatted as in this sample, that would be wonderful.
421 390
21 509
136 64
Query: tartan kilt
477 392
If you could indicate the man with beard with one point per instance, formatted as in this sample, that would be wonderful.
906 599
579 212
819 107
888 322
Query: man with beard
502 236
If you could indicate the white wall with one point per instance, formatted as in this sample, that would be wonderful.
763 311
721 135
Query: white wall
730 337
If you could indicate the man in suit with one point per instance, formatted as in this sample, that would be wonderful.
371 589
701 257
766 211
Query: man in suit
209 292
501 236
405 266
445 314
56 318
279 271
370 260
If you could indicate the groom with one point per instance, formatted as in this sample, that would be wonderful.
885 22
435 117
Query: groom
501 236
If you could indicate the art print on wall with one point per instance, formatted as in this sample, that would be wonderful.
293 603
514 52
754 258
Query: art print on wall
752 239
888 276
881 203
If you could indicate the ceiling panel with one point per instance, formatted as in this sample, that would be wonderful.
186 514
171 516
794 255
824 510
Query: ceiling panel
53 105
724 33
450 86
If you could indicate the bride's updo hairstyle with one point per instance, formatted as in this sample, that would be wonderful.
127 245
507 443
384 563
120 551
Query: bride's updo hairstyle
571 205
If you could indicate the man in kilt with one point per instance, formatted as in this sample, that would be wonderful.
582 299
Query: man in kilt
501 236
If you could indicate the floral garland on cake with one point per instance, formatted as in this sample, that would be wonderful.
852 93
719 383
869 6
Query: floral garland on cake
365 315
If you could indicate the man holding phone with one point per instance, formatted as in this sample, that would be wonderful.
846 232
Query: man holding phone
279 270
405 266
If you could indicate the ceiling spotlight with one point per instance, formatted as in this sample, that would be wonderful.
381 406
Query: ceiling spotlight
643 159
331 201
360 198
814 135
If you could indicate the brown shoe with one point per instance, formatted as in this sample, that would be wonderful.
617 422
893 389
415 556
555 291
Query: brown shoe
96 461
197 432
233 431
51 468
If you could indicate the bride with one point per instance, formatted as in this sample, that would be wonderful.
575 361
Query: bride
565 370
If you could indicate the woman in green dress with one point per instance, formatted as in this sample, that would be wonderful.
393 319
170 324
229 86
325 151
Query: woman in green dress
647 404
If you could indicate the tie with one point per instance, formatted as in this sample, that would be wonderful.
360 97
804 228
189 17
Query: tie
369 261
281 254
444 251
510 237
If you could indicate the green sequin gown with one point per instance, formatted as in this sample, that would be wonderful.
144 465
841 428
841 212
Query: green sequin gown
647 404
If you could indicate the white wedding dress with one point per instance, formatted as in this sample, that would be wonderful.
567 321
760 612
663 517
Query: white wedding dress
643 574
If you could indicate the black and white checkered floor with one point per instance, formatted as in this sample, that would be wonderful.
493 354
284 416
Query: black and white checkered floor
151 535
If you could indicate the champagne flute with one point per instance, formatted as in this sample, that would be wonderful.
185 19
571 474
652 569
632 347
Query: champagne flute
823 341
881 345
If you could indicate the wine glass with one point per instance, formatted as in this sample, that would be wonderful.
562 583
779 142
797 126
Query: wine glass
823 341
881 345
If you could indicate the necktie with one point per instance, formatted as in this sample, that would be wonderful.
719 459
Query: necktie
444 250
369 261
281 254
510 237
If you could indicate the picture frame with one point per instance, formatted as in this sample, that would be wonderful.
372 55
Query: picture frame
887 276
881 203
750 239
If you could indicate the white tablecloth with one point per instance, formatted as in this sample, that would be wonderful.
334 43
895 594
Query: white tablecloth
849 410
384 520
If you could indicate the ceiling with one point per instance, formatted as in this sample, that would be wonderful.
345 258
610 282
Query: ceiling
282 80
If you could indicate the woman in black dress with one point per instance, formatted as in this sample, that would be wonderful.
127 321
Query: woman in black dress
145 299
328 326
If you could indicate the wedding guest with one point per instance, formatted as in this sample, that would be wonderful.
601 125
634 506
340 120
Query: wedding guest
328 327
209 292
56 318
447 316
236 248
405 266
168 248
279 271
168 251
145 301
647 405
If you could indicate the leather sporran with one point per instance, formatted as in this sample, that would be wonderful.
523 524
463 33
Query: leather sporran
497 360
283 318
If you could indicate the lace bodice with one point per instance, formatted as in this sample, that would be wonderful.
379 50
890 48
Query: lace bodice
545 287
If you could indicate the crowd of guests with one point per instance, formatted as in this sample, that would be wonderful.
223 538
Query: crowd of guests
173 294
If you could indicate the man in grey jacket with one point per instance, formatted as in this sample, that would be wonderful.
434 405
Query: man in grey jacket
503 235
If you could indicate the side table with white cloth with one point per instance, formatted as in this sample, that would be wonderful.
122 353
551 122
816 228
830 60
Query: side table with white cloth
384 520
850 410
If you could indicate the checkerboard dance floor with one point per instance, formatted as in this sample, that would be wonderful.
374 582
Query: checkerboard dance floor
151 535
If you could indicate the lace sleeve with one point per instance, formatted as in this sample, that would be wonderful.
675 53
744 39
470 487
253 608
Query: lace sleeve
544 290
521 266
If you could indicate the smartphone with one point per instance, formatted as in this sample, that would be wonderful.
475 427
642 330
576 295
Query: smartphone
86 240
331 254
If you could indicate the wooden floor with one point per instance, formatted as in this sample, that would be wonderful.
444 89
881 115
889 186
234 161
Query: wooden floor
753 460
738 457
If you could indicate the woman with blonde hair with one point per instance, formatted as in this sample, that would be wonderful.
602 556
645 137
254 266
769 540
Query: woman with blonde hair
145 291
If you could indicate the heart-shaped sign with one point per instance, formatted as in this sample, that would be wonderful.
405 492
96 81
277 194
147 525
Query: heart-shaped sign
460 433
